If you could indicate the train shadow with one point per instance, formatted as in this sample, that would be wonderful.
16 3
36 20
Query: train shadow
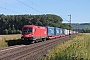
17 42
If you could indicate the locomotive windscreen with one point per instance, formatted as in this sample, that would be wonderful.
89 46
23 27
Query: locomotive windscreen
27 30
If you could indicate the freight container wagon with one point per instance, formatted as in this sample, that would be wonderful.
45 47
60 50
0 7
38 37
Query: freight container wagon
71 32
63 33
66 32
57 32
50 32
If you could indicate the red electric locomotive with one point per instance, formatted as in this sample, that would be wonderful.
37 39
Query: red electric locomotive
34 33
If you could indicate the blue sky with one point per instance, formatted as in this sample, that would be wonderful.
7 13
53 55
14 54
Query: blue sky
79 9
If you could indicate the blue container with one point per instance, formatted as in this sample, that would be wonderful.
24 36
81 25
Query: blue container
56 31
63 31
50 31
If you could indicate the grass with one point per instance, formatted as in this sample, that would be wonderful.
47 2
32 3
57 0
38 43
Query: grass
4 38
77 48
10 37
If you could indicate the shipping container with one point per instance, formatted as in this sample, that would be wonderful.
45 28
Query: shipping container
71 32
56 31
50 31
63 33
66 32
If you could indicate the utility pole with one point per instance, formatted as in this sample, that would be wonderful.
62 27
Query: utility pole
77 27
69 23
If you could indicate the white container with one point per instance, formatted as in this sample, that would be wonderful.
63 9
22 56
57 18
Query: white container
66 32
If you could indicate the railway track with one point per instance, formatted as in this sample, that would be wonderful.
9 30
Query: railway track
30 52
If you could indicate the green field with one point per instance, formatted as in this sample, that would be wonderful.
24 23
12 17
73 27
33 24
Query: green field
6 40
78 48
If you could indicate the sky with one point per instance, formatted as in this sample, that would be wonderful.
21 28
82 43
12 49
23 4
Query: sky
78 9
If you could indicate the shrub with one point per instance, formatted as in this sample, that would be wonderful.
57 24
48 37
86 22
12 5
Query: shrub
5 31
18 31
75 49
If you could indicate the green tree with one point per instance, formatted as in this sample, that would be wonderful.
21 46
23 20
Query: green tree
7 21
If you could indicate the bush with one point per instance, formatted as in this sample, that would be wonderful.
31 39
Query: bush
8 31
13 31
18 31
5 31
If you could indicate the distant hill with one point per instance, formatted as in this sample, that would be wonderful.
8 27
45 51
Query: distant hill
80 26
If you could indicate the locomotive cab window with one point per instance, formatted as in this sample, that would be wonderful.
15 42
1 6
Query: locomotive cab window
27 30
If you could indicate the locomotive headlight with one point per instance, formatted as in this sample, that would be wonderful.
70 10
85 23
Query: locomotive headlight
32 35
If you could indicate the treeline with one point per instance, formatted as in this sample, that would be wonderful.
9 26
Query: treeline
85 31
12 24
82 30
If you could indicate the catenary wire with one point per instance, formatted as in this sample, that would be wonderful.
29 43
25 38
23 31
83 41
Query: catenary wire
9 10
11 5
29 6
37 5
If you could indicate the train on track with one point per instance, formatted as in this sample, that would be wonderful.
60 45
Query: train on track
35 33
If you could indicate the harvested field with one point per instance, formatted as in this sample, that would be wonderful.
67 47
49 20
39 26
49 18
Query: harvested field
5 38
10 37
